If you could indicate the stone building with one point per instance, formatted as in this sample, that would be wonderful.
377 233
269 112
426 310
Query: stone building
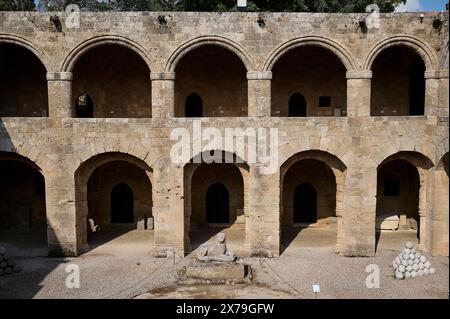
86 114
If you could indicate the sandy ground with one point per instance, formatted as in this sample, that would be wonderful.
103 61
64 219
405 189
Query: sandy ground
120 266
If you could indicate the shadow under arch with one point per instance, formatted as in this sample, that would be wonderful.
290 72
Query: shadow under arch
23 210
195 43
416 167
76 53
337 171
233 173
340 51
83 175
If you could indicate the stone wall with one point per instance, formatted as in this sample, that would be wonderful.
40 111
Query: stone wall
67 149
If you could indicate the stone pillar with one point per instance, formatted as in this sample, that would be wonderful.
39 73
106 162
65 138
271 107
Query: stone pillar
259 93
264 215
60 94
443 94
432 79
439 223
359 210
359 86
163 94
168 209
66 234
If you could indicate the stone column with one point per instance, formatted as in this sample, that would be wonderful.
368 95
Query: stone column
171 231
163 94
359 210
439 243
264 215
432 81
66 234
359 86
259 93
60 94
443 94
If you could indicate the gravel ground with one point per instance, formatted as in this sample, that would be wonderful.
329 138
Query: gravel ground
104 276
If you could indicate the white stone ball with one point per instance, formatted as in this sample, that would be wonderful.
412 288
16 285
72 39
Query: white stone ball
412 256
432 271
402 269
394 264
421 266
408 274
420 273
426 272
413 274
407 251
409 268
405 257
397 260
409 245
399 275
405 263
410 262
423 259
413 251
417 255
417 261
416 267
427 265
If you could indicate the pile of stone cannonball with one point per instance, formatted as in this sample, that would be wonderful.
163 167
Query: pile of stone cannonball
7 264
410 264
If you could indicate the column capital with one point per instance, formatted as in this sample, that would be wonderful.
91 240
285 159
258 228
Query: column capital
162 76
259 75
362 74
436 74
59 76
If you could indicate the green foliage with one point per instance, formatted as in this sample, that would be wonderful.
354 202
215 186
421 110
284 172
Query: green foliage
203 5
17 5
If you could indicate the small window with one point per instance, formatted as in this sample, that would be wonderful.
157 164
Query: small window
85 106
391 187
194 106
325 101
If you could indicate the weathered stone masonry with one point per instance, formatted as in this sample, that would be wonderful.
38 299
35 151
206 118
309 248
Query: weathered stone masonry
354 137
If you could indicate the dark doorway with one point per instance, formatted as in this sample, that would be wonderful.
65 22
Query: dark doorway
122 205
305 204
85 106
194 106
218 204
297 106
417 87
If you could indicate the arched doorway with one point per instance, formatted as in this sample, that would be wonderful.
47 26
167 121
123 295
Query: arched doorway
302 69
194 106
398 83
122 206
222 86
305 204
297 106
23 219
114 204
216 200
217 204
401 207
311 197
116 78
23 83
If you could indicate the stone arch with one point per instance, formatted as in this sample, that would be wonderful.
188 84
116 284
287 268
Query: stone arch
423 165
82 176
188 173
425 51
339 170
76 53
340 51
190 45
13 39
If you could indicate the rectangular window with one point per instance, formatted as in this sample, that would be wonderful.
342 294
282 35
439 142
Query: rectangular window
325 101
391 187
